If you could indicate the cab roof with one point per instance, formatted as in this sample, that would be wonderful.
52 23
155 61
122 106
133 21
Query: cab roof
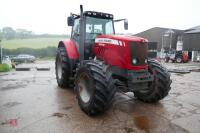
98 14
95 14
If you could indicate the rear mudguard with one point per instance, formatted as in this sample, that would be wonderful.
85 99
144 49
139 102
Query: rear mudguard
71 48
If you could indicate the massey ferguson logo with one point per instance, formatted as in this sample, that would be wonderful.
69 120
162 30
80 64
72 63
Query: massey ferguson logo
109 41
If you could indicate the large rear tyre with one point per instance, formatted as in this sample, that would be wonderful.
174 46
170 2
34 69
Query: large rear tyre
62 67
94 87
159 88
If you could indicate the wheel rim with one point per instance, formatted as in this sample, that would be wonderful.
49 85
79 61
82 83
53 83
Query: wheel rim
178 60
84 88
59 68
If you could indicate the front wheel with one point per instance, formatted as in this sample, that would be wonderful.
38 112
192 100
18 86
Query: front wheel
94 88
179 60
159 87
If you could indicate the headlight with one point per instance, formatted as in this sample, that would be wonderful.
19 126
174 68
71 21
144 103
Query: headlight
145 61
134 61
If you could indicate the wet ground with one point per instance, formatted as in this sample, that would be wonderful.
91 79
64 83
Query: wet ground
31 102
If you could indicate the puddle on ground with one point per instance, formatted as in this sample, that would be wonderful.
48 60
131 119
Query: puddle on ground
59 115
11 104
142 122
176 93
196 70
129 130
11 87
3 80
180 74
68 107
4 74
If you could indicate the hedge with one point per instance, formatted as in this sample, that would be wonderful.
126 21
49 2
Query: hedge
4 68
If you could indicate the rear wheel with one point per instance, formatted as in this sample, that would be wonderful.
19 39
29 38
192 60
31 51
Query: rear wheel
159 88
62 68
94 87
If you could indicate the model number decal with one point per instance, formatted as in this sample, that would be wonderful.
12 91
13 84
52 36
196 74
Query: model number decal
109 41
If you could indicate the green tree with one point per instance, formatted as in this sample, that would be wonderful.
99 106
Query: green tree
1 35
23 33
8 32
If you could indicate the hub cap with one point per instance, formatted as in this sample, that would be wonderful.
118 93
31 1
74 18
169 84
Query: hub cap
178 60
84 88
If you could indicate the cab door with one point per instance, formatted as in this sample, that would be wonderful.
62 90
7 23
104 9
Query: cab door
75 35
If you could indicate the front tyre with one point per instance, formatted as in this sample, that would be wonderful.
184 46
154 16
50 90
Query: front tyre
158 88
94 87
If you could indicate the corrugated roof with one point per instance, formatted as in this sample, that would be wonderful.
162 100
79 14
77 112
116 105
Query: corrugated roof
195 29
160 29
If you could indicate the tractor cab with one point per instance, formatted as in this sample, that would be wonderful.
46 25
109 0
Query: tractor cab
87 26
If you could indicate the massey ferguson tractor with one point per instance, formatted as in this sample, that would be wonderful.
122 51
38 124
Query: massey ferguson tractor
100 63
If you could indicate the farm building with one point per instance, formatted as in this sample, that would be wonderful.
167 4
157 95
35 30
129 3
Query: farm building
191 42
187 40
164 37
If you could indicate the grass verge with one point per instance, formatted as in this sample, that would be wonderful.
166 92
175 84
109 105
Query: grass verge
4 68
35 43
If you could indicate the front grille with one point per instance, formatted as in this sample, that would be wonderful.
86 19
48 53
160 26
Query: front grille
138 51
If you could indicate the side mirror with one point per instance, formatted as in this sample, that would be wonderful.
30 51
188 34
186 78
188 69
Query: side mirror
126 24
70 21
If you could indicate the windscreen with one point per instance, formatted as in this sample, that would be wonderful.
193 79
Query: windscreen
98 26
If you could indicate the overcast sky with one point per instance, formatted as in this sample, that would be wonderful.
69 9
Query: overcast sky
50 16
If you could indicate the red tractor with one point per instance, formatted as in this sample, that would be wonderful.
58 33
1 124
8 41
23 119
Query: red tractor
176 56
100 63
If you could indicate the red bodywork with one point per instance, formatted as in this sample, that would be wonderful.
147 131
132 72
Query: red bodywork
117 55
114 53
185 57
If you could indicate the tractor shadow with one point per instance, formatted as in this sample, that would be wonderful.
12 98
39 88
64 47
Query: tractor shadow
126 102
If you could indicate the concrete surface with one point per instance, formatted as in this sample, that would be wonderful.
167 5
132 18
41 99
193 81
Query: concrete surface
31 102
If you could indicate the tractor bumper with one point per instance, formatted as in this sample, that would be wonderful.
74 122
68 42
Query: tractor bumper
138 80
